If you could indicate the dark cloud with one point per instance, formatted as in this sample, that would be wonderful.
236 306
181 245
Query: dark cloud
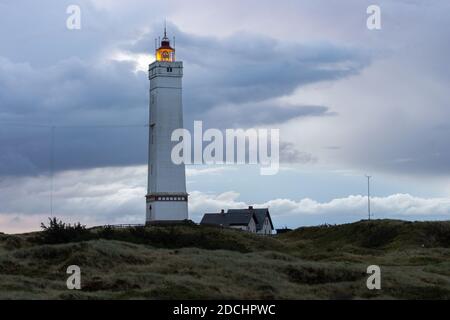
35 32
82 101
231 82
256 114
246 68
52 76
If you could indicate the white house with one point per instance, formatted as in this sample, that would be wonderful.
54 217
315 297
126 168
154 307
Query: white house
252 220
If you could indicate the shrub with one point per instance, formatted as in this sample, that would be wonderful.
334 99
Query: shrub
107 232
60 232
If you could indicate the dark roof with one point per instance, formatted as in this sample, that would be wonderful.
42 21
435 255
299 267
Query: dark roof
214 218
239 219
260 215
227 219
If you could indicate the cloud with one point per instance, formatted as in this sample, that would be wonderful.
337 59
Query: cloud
383 125
291 155
67 88
238 77
116 195
216 170
266 113
235 86
343 96
341 210
396 205
92 196
235 79
97 110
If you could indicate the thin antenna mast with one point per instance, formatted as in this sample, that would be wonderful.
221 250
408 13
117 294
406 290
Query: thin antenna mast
368 194
52 164
165 29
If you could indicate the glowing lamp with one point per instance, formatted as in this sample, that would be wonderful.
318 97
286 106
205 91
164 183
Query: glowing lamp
165 52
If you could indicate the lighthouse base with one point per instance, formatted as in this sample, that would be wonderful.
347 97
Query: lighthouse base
166 207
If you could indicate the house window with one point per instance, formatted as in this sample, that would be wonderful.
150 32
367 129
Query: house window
169 69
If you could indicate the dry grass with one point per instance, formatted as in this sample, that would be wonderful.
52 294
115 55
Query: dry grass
310 263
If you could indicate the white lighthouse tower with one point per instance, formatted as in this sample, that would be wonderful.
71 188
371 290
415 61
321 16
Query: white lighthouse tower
166 198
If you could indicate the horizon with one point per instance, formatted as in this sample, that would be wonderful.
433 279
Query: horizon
210 226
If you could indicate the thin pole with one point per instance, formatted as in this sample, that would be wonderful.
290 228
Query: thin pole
52 161
368 194
165 28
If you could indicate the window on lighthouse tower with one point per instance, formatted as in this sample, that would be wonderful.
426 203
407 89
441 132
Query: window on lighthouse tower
165 52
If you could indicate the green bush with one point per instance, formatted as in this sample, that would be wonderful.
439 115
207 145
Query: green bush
59 232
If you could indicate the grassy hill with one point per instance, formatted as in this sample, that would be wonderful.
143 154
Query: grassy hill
196 262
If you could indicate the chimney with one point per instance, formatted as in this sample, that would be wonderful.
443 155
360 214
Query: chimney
250 207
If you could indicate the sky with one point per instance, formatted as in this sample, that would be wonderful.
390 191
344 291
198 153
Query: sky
348 102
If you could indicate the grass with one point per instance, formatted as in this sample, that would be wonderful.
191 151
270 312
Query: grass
196 262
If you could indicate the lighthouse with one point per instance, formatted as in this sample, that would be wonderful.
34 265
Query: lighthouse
166 199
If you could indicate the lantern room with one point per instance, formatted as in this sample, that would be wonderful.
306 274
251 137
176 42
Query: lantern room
165 52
